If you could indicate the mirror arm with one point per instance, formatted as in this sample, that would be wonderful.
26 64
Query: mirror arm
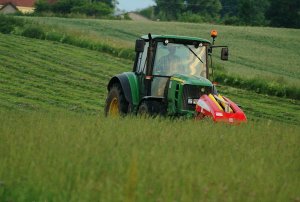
212 68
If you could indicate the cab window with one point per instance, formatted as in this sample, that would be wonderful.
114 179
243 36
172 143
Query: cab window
141 64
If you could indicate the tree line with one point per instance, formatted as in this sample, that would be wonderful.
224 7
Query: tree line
97 8
277 13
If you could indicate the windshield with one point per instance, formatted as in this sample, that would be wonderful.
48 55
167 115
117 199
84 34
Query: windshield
180 59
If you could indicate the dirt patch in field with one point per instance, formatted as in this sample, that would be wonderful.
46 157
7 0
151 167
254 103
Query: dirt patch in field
137 17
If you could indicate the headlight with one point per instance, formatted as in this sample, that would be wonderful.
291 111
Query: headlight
192 101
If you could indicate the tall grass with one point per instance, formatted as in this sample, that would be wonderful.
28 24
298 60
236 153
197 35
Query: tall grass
259 85
71 157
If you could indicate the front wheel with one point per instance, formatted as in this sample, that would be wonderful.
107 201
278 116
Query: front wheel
116 103
151 108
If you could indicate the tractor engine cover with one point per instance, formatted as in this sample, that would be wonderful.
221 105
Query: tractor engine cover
220 109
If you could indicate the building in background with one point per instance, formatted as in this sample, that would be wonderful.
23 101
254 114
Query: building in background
8 8
13 6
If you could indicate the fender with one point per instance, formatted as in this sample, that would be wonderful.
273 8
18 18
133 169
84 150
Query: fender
129 85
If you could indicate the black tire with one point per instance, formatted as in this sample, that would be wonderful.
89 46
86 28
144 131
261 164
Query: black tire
151 108
115 104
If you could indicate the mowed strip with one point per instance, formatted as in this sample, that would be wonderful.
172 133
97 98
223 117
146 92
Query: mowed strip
42 75
263 106
267 53
39 74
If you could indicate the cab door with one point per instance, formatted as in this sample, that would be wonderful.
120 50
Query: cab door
141 65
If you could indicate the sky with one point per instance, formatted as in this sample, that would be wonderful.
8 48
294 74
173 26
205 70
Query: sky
131 5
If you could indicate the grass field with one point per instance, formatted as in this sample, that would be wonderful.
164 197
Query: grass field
55 145
70 157
270 53
57 76
36 75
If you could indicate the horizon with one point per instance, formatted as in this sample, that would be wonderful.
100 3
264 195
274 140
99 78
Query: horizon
134 5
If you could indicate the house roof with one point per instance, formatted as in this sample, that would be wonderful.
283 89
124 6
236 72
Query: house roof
23 3
9 4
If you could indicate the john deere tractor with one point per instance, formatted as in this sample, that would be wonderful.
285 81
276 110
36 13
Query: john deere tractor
170 77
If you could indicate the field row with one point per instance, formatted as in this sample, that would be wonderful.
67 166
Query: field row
269 53
42 75
35 72
264 106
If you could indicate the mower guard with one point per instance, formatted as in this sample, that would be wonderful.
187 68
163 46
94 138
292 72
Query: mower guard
220 109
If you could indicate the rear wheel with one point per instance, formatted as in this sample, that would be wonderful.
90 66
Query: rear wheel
116 103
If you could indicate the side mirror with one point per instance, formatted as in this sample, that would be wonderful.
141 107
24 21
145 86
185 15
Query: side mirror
139 45
224 54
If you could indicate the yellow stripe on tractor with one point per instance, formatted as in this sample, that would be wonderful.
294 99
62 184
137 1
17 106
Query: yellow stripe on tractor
215 101
176 79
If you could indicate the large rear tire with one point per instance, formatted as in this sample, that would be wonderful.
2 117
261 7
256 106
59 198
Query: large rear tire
116 104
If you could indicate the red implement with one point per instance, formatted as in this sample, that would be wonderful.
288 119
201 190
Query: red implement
220 109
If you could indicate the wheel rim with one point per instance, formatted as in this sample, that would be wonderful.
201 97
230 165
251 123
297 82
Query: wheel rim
114 107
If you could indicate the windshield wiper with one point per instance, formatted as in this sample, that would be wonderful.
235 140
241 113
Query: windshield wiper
194 53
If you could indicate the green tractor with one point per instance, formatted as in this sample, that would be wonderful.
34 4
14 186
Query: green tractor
170 74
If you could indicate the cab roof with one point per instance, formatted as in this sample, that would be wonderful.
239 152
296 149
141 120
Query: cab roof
175 37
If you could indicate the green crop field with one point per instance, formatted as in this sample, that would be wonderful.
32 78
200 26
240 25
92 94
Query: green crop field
70 157
270 53
41 75
37 75
55 144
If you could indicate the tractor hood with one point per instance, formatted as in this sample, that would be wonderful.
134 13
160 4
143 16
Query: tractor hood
191 80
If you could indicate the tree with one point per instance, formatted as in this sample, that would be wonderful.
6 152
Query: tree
42 6
88 7
188 9
93 9
206 8
169 10
229 7
111 3
252 12
284 13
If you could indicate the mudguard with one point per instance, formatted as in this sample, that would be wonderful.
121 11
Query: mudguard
129 85
124 82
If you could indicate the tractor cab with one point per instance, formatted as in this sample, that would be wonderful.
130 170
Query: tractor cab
168 56
162 62
170 74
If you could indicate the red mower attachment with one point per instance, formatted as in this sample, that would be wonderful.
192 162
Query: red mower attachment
220 109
